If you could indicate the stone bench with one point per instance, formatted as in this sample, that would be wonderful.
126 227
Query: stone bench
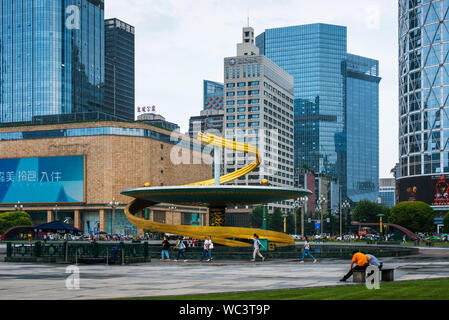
359 276
387 274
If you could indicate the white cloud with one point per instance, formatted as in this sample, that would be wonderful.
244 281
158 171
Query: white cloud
179 43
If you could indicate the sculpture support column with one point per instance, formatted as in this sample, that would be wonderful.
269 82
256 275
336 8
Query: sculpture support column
265 217
217 164
217 216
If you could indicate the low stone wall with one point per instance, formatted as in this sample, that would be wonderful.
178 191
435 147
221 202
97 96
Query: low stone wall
143 252
76 252
321 251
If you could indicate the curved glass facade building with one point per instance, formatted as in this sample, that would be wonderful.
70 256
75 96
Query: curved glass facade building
423 87
51 58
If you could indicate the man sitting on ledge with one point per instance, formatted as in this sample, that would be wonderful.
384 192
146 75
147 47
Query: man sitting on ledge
361 261
373 261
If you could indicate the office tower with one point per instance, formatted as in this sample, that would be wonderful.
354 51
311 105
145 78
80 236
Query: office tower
424 102
119 88
209 120
213 95
259 111
387 192
52 60
316 56
361 175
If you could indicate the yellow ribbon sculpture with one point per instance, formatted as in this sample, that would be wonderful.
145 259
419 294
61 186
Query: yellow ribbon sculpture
228 236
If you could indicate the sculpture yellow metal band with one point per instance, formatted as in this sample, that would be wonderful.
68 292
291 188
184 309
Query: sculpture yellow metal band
228 236
235 146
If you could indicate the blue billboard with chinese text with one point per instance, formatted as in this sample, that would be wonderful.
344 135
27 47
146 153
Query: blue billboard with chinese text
42 180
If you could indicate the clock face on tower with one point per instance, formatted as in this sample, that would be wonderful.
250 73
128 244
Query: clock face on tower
232 62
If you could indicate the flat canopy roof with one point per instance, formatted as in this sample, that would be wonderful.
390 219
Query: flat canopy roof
216 195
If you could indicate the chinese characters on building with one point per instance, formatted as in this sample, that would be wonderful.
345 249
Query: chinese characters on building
29 176
146 109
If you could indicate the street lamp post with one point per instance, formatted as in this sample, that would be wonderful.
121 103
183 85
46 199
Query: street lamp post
113 204
172 210
317 211
336 212
56 209
346 205
301 201
18 206
321 200
296 205
285 215
380 226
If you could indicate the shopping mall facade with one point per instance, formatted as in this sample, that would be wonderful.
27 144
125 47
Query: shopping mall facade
76 172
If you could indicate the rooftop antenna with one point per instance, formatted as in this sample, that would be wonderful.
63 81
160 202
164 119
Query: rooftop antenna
247 18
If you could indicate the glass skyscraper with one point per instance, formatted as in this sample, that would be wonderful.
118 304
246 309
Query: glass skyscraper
119 88
424 101
51 59
316 56
424 87
362 128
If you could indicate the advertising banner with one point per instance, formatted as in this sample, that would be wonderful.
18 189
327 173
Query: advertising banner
432 190
42 180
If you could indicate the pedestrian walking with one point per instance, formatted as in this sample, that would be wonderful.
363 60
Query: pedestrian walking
257 244
165 248
206 245
209 249
307 251
180 245
361 262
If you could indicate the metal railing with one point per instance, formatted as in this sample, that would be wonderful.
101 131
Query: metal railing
68 251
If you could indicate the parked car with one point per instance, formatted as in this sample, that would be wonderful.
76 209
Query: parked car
433 238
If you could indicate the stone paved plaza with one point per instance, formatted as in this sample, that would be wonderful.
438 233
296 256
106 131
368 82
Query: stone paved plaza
42 281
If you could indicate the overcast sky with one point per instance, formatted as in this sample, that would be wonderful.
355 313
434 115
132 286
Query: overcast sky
180 43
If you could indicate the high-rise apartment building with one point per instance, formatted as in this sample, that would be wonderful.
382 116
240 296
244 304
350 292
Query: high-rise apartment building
259 111
52 60
119 89
330 86
424 102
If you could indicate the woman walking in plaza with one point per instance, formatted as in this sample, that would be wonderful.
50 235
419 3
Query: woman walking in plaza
307 251
257 245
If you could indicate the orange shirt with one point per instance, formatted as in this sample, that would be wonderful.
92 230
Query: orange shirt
360 258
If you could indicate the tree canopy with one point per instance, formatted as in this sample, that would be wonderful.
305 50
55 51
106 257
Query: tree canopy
256 218
446 223
416 216
368 211
13 219
276 221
